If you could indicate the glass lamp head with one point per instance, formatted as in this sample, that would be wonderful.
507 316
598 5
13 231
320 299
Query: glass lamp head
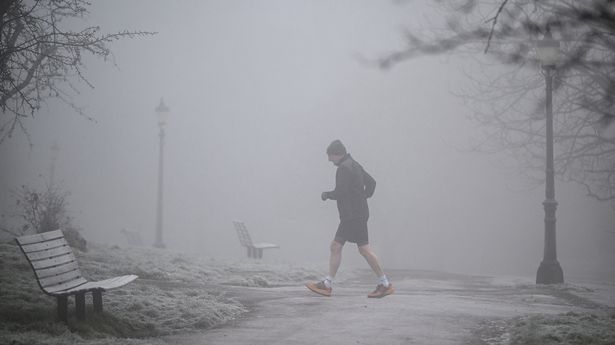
548 50
163 112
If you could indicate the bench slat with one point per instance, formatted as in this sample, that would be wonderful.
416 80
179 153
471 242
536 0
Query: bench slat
60 288
60 278
57 270
46 254
265 245
104 284
45 236
58 260
35 247
120 281
242 232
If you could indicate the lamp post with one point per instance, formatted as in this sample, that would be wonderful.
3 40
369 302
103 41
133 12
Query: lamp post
55 149
162 111
549 271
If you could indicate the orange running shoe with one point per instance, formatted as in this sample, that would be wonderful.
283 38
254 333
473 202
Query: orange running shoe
319 288
381 291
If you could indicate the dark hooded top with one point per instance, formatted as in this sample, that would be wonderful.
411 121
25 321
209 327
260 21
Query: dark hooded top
353 185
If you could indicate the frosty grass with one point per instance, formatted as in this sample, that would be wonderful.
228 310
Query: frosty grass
175 293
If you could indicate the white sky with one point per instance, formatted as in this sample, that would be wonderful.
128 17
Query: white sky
257 90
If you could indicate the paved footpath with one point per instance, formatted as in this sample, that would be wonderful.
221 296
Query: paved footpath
427 308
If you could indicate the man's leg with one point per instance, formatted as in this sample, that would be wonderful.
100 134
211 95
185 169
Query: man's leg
369 255
384 287
336 258
324 287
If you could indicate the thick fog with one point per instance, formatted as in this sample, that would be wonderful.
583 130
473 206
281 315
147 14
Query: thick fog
256 91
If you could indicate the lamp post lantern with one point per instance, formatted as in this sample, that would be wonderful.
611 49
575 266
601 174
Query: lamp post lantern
162 111
549 271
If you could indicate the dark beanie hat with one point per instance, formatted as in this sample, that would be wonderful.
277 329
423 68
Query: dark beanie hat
336 148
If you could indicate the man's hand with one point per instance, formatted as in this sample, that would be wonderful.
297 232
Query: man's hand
324 196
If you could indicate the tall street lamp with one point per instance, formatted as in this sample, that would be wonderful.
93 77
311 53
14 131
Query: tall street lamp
162 111
55 150
550 271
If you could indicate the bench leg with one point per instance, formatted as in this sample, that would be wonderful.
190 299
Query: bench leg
260 253
97 300
80 305
63 308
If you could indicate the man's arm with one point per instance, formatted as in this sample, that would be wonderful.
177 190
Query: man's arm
343 178
370 184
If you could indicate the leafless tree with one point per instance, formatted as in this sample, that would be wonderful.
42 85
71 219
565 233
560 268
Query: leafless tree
41 58
509 104
43 211
46 210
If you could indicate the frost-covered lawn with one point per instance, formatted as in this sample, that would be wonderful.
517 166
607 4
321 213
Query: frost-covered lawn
569 328
178 294
590 321
175 293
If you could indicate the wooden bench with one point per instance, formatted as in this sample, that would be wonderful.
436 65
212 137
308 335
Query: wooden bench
58 275
255 250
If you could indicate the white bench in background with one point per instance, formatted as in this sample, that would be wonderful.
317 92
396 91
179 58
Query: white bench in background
132 237
255 250
58 275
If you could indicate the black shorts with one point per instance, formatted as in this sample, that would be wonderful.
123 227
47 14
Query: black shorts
352 230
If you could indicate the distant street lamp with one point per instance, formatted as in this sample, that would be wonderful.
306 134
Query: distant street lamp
55 150
162 111
550 271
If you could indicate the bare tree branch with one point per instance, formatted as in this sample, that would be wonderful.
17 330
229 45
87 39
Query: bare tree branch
495 22
509 105
38 57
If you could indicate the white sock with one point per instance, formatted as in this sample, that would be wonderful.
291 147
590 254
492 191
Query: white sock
328 281
383 281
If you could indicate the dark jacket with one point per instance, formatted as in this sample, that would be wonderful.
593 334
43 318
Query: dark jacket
352 188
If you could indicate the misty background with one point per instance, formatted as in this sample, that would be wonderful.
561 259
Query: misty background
256 91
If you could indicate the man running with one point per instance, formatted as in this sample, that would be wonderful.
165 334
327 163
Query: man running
352 188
